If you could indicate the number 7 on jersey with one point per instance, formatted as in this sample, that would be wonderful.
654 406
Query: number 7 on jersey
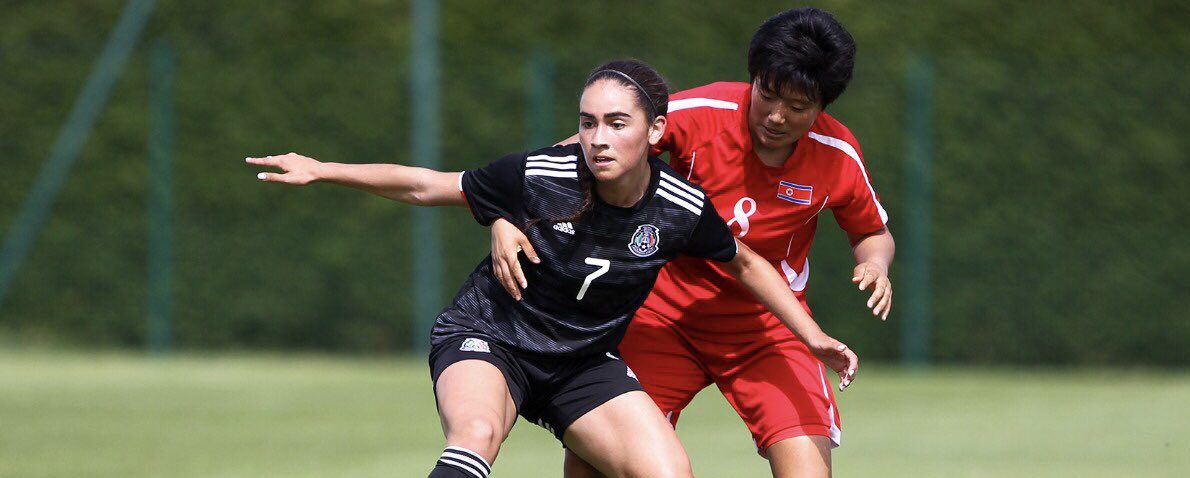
603 265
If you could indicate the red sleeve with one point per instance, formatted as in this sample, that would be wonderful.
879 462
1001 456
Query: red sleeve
676 138
715 106
861 211
676 134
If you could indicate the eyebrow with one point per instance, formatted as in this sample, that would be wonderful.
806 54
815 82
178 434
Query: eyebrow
614 114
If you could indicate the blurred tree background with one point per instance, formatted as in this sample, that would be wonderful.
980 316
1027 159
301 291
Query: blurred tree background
1060 150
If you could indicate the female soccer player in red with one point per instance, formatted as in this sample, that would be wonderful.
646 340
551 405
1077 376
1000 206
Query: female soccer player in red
771 159
607 217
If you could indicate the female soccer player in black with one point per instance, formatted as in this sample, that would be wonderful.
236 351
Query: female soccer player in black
606 216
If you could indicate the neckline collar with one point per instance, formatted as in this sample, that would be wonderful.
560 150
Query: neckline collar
650 190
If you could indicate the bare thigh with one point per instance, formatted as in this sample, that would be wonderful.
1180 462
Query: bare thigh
806 456
475 406
627 437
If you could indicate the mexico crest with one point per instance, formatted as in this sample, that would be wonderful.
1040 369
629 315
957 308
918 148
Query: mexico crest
645 240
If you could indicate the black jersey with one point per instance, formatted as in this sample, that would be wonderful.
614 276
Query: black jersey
595 271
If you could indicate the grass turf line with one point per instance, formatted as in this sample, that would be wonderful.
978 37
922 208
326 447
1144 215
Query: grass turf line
120 415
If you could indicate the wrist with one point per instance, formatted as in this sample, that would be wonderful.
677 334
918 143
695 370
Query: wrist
879 264
323 172
807 331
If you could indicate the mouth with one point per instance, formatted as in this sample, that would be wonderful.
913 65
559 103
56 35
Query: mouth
602 161
773 133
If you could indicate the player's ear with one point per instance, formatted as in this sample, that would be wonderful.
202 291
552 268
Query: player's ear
656 130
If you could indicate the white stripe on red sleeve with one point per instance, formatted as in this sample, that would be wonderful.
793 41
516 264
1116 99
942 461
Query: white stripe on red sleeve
846 148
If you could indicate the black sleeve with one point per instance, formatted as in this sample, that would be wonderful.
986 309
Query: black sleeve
495 190
712 239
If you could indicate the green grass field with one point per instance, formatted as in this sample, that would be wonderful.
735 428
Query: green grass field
101 415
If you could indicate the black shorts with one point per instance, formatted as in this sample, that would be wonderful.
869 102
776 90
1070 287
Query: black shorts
550 391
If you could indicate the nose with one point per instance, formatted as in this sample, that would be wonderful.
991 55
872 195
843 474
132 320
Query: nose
777 115
599 137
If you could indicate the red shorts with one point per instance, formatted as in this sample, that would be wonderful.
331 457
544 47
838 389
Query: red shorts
766 374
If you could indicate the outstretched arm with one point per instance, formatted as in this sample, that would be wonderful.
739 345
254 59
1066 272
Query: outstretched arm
417 186
759 277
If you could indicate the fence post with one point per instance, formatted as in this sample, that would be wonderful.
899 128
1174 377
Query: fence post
161 145
540 90
427 124
915 323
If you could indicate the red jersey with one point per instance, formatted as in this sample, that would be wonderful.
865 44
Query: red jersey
772 210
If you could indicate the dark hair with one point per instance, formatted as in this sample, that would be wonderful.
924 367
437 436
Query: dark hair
634 74
652 96
804 49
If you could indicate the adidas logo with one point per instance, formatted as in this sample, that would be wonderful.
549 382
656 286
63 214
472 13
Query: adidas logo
564 227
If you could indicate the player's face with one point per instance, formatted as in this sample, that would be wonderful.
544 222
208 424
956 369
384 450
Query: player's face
615 132
777 120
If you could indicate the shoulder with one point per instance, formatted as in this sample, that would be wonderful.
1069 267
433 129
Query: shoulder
709 109
569 152
719 98
677 190
835 140
554 161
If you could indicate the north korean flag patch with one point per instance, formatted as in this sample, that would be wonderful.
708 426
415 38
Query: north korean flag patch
795 193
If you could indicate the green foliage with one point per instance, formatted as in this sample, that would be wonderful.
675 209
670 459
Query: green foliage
1059 150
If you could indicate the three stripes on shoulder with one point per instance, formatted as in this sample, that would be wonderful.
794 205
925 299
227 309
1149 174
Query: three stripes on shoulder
670 188
552 166
677 192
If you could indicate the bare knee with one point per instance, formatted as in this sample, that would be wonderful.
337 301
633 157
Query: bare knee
680 469
575 467
481 435
676 466
653 467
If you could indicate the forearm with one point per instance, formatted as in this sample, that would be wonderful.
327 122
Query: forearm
876 248
413 185
762 280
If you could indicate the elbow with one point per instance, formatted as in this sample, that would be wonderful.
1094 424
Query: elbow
415 197
417 194
881 235
740 264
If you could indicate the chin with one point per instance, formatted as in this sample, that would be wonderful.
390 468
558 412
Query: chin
776 144
603 176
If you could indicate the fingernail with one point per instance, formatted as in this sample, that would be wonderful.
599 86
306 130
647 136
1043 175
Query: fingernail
260 176
247 159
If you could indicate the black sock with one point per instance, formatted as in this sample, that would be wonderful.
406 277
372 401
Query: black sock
459 462
444 471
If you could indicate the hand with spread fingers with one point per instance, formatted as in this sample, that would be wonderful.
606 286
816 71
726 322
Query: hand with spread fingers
836 355
875 276
507 243
295 169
